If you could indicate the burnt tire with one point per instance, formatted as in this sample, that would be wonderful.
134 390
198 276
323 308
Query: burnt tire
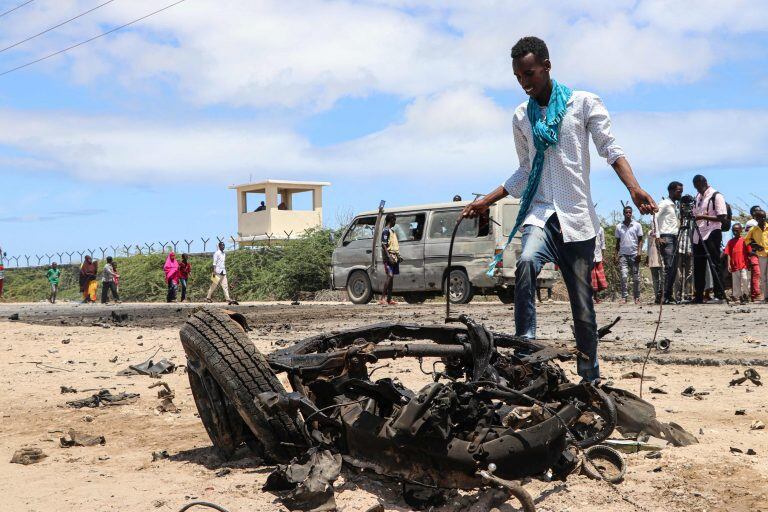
226 373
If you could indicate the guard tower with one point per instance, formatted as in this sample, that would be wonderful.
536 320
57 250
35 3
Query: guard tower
276 218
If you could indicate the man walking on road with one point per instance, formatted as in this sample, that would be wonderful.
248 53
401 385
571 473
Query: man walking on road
552 131
219 276
629 238
53 275
108 283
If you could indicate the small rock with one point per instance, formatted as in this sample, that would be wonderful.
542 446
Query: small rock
223 472
653 455
757 425
53 351
736 450
113 360
158 503
65 341
14 317
160 455
88 419
750 451
28 455
139 337
657 469
678 331
741 412
67 389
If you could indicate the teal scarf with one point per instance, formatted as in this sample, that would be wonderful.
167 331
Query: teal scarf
545 133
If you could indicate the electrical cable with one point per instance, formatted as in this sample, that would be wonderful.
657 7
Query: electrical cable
17 7
658 320
91 39
202 504
14 45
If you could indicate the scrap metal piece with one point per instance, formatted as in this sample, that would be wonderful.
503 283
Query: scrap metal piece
307 484
75 438
153 369
104 398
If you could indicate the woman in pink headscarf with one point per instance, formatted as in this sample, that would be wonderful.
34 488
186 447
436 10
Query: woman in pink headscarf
171 269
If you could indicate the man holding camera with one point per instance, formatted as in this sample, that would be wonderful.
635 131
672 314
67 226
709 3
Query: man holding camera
667 225
710 212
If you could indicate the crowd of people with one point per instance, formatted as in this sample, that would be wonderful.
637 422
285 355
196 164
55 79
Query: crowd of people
685 252
176 274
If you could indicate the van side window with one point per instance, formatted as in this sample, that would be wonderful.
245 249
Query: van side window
443 222
362 229
409 227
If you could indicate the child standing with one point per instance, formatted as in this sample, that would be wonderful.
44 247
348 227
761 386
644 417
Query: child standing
390 255
171 269
185 268
737 252
53 275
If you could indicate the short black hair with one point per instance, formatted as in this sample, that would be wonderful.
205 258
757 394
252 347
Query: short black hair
736 224
389 219
673 186
754 209
109 259
698 179
532 45
627 207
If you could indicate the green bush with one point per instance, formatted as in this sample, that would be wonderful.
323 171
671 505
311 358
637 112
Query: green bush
276 271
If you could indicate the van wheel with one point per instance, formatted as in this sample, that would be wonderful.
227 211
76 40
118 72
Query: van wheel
415 297
506 295
359 288
459 288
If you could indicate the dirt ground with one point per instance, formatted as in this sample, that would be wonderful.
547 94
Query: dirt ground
75 345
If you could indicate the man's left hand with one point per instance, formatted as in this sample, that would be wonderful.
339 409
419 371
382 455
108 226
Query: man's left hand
643 201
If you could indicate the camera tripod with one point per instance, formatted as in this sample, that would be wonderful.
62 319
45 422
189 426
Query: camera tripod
687 227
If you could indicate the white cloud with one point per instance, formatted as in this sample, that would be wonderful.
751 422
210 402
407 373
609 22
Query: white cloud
308 54
457 132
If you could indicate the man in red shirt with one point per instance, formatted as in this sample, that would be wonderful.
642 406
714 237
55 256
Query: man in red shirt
737 251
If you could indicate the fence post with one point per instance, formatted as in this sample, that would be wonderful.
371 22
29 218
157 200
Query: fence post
269 239
17 261
70 256
174 245
39 259
114 250
288 234
61 257
149 247
234 243
127 250
138 249
205 242
162 244
81 253
103 252
189 245
49 256
91 251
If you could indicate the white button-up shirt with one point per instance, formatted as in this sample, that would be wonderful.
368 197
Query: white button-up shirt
666 218
219 259
564 187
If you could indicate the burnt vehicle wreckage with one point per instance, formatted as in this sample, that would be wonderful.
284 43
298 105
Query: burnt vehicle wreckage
498 410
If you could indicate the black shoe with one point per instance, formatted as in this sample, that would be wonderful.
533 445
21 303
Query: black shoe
233 303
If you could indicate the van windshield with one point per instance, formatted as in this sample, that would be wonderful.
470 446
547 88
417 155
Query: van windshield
443 222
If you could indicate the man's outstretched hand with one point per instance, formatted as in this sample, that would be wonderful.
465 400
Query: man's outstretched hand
643 201
475 208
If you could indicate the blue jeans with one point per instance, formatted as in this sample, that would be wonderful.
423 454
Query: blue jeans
576 259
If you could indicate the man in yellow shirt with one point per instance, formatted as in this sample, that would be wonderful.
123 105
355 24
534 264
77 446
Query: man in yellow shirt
757 239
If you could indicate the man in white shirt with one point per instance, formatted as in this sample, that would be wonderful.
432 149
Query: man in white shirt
666 226
561 223
219 275
629 238
710 212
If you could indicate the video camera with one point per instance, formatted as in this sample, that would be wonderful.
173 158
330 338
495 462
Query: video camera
686 207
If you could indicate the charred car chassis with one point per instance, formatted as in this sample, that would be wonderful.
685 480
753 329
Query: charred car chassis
498 408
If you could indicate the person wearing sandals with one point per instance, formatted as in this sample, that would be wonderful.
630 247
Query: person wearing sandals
390 255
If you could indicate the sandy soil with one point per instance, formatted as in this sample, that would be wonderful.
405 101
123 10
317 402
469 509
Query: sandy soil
120 475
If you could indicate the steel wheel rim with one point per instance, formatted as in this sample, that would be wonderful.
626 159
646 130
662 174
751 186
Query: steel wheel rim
456 287
358 287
